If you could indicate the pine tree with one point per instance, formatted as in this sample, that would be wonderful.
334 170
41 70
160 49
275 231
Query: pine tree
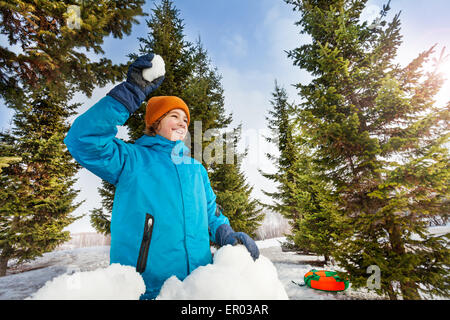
300 197
280 124
101 217
189 74
165 38
204 95
219 156
49 41
317 230
37 195
229 184
379 139
37 79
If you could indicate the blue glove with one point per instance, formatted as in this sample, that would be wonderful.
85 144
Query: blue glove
132 92
226 235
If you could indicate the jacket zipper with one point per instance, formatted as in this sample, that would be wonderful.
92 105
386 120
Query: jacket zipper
145 244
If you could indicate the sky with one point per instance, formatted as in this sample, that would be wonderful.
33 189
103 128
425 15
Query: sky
246 41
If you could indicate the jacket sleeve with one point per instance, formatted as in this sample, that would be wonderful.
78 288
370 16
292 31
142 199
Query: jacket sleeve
215 216
91 139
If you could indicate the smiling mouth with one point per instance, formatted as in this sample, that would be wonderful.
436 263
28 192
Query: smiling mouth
179 131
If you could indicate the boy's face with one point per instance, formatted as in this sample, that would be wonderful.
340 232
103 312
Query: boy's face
174 125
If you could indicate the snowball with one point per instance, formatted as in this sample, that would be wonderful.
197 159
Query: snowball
116 282
232 276
157 70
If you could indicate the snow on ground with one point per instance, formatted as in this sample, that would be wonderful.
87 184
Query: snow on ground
292 267
233 275
20 285
23 281
289 267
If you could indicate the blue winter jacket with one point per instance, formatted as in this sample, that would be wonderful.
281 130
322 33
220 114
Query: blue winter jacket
164 212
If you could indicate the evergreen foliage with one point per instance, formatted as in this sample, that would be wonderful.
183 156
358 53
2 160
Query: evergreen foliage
101 217
301 197
380 140
165 38
40 71
46 37
204 95
232 191
281 127
5 161
37 196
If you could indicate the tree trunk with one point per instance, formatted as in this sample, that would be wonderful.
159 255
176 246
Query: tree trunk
409 289
391 293
3 265
5 255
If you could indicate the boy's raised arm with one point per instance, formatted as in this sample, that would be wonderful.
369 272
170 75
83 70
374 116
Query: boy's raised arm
91 139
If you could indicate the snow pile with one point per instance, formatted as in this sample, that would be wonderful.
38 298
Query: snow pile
157 70
115 282
232 276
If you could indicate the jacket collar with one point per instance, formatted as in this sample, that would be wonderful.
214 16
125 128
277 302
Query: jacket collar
157 142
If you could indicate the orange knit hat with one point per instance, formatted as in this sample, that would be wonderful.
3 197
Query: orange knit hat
158 106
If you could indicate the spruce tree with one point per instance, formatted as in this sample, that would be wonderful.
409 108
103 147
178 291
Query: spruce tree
282 135
204 95
37 194
165 38
48 36
300 197
317 231
101 217
38 79
230 186
379 139
189 74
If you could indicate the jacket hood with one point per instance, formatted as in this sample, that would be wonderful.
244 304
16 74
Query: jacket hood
157 142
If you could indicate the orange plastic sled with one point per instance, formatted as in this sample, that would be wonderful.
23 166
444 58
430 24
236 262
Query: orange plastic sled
325 280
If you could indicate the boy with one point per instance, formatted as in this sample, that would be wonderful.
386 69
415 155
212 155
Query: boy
164 211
